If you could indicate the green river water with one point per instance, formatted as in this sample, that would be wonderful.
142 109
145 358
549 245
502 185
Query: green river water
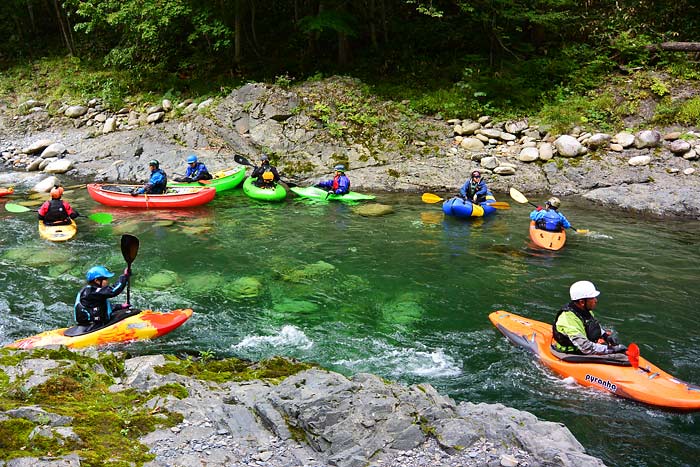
405 296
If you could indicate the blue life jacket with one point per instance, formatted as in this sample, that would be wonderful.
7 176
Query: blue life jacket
550 221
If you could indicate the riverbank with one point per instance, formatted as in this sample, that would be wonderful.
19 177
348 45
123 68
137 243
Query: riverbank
308 129
68 408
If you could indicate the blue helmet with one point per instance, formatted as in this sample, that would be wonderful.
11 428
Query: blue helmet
339 168
97 271
192 159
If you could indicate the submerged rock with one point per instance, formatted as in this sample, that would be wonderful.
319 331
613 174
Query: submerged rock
243 287
373 209
160 280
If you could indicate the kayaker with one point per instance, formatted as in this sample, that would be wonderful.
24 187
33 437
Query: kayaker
550 218
474 189
156 184
266 175
196 171
56 211
575 329
339 184
92 303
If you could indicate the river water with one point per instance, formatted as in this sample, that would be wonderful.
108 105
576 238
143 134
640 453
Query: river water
405 296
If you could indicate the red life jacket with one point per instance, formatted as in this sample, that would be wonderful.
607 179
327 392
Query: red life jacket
336 184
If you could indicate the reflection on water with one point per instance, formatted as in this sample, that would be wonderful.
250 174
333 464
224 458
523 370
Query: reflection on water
405 296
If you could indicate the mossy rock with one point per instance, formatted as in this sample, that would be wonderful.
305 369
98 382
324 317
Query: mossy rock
243 287
309 272
196 229
402 312
34 257
290 305
160 280
203 283
163 223
373 210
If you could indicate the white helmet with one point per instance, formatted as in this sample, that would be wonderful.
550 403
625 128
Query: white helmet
583 289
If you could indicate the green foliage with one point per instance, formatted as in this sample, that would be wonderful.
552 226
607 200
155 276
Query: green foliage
685 113
659 88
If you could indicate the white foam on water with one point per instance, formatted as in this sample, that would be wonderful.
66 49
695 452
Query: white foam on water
287 336
397 362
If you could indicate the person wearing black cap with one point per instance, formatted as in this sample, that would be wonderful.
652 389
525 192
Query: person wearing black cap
266 175
156 184
474 189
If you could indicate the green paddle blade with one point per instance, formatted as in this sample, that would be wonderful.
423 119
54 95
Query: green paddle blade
16 208
101 217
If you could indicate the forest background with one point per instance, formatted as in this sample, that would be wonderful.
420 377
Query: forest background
560 62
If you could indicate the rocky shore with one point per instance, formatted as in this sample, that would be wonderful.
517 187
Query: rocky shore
306 130
78 407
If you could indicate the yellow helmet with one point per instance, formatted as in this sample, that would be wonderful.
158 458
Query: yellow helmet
268 176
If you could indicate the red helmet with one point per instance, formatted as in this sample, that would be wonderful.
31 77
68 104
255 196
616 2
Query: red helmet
56 192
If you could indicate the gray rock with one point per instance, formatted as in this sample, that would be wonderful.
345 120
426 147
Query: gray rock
155 117
516 127
59 166
529 154
639 160
504 170
679 147
647 139
53 150
624 139
75 111
489 162
598 140
472 144
546 151
568 146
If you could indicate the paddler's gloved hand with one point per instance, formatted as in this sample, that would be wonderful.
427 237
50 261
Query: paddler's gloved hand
133 193
618 348
539 208
127 273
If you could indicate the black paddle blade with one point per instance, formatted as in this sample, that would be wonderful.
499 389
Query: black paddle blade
130 248
242 160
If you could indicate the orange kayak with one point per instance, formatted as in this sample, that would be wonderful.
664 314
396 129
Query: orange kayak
647 383
6 191
144 325
546 239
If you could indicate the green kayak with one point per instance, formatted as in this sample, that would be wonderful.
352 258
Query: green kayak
311 192
223 180
263 194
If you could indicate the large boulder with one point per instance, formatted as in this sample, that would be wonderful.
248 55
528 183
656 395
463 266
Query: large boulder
568 146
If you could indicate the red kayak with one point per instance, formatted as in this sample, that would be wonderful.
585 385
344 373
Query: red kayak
6 191
176 197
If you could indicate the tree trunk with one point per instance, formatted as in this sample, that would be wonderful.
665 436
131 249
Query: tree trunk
65 28
676 46
237 33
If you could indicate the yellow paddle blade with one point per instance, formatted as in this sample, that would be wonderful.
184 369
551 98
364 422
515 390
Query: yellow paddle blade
431 198
517 196
500 205
583 231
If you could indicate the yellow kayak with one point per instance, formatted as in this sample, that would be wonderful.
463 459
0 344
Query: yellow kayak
146 324
58 233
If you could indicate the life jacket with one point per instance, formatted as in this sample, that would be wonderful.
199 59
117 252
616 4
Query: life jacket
336 182
86 314
159 187
551 221
590 324
56 212
472 189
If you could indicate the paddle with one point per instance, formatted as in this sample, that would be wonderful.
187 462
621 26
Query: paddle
99 217
520 198
431 198
243 161
130 248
